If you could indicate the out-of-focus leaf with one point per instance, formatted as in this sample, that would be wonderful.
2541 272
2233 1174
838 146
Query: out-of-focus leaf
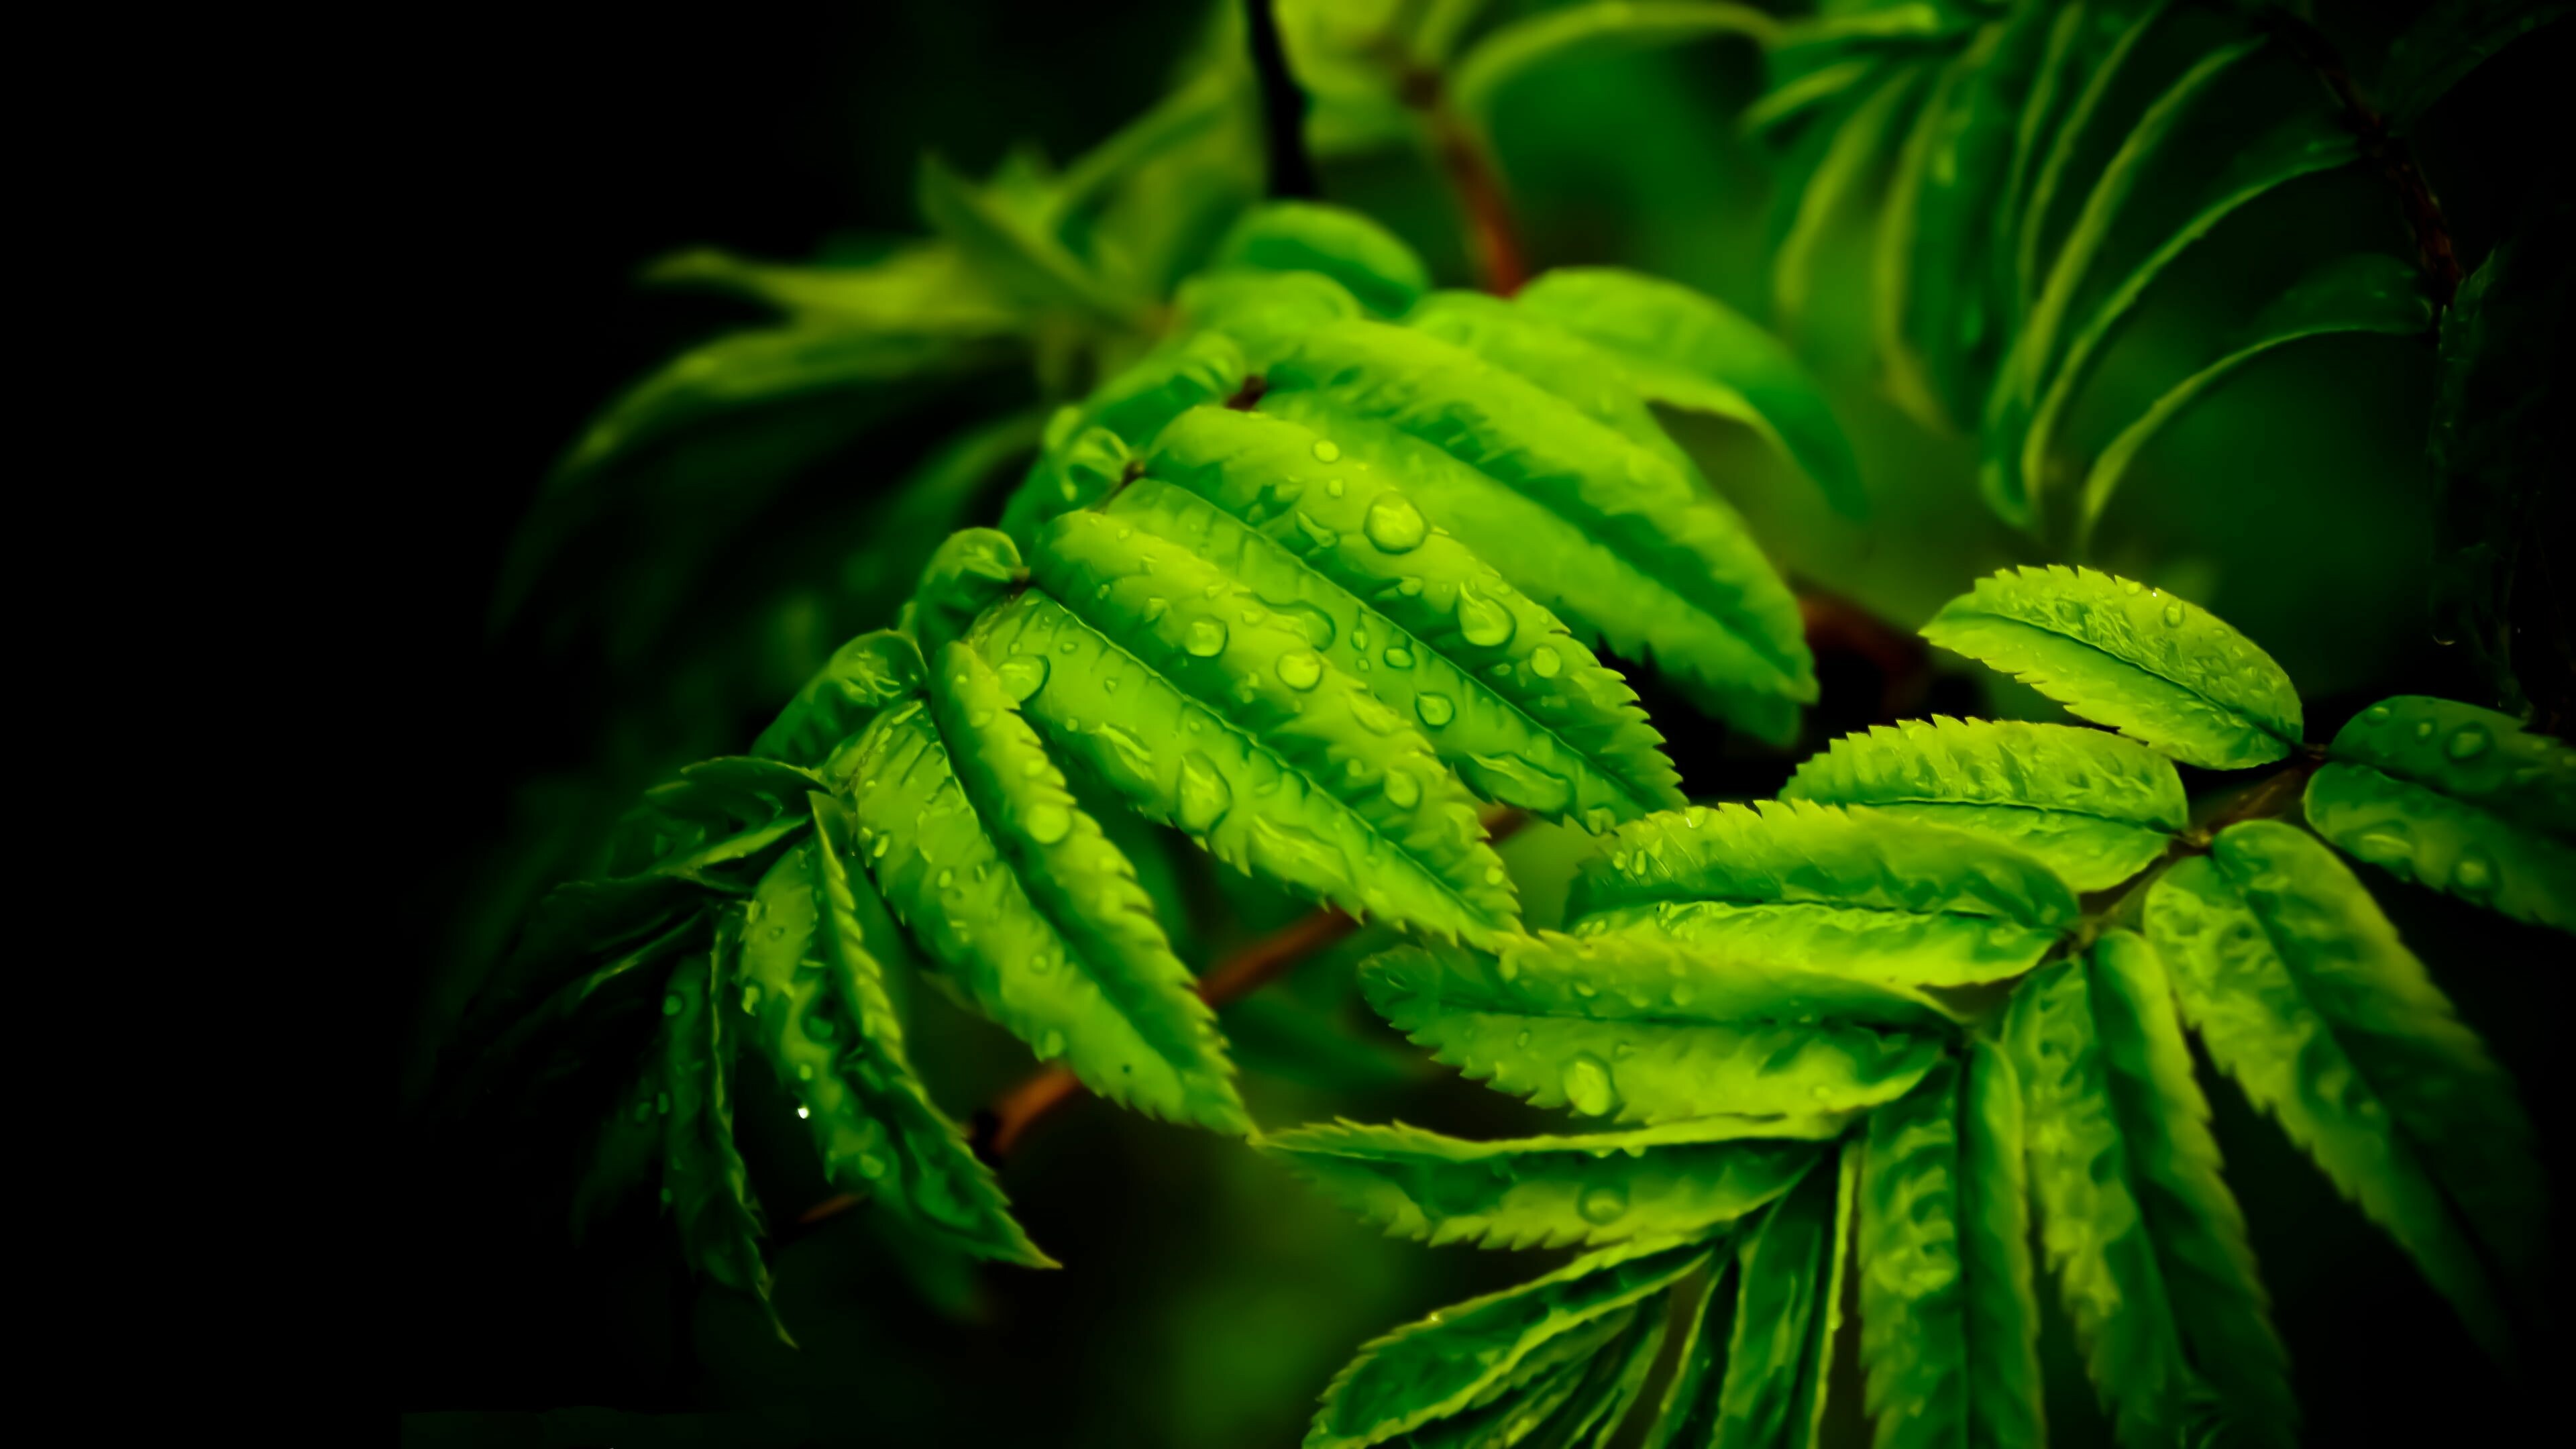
1301 236
1533 42
2363 292
2447 41
703 1176
1687 350
1019 255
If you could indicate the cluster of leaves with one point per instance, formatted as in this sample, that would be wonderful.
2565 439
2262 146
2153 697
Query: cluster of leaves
1307 581
2015 243
1864 1028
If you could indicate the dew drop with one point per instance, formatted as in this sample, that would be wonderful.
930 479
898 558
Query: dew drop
2467 742
1603 1205
1435 709
1402 790
2475 874
1481 621
1587 1085
1544 663
2173 616
1327 451
1395 525
1299 669
1051 1045
1048 822
1205 638
671 1004
871 1166
1399 657
1021 676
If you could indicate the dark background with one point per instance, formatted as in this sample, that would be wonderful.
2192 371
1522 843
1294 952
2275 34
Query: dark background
1204 1302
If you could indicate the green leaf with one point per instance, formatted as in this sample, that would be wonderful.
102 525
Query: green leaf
1686 1418
703 1177
625 1148
1504 694
1787 1314
1684 349
1264 311
2363 292
1207 710
1018 257
862 677
827 1027
980 847
1641 1030
1611 1384
1088 449
2013 482
1301 236
2148 1244
1949 1326
971 570
1840 169
2094 808
1585 374
1447 1364
2307 143
1666 567
2447 41
2163 672
1850 891
1547 1192
919 290
2458 798
2301 991
1531 42
1895 252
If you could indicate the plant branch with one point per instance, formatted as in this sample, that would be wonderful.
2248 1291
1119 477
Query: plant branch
1493 237
1283 108
2388 155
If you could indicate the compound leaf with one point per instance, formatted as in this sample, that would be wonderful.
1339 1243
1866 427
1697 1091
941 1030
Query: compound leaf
1787 1314
2093 807
1672 1181
1301 236
2458 798
2163 672
2147 1242
703 1176
2301 990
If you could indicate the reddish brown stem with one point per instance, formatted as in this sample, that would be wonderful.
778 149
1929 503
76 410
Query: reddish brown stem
2388 155
1836 625
1493 237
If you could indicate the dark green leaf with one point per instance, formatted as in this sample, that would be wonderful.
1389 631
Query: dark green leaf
703 1177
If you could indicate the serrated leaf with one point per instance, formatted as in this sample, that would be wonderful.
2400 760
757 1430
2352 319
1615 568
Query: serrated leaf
1303 236
1687 350
2148 1245
2448 40
1686 1417
982 850
2166 673
862 677
2301 991
1583 373
1642 1030
827 1027
1264 311
1429 1371
1531 42
1848 154
2094 808
1851 891
2457 798
1949 1325
1078 468
1787 1314
1503 693
1611 1383
1657 565
1206 710
2364 292
703 1177
1547 1192
625 1148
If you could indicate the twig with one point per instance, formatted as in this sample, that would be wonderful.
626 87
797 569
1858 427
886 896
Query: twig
1283 108
1493 237
2388 155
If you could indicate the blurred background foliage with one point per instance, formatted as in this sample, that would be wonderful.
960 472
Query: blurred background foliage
663 614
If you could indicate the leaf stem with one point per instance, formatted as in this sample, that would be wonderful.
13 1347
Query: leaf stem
2388 155
1466 160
